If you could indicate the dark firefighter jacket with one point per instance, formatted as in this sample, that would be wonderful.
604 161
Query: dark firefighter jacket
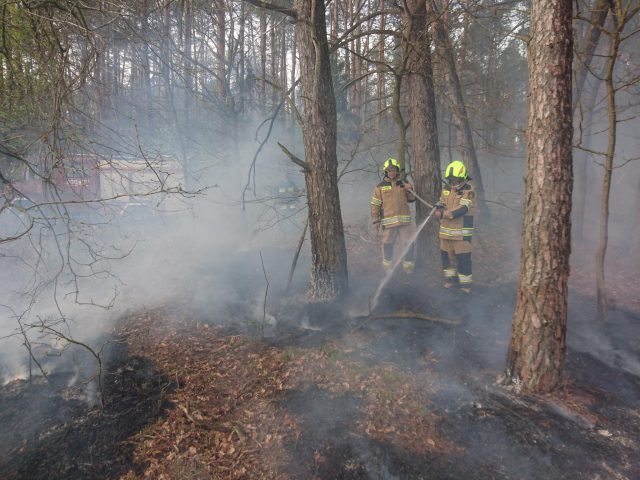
460 202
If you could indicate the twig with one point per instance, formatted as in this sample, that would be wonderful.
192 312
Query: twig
295 159
96 354
297 254
264 305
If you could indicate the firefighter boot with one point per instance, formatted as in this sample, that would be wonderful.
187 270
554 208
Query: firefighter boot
449 270
387 256
450 277
464 272
407 263
408 266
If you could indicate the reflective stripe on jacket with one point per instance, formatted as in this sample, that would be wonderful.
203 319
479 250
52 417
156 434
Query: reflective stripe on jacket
460 228
390 204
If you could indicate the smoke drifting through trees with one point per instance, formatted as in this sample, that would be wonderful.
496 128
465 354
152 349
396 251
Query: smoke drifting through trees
193 81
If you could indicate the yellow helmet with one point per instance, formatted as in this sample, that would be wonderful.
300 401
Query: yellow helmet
391 162
456 169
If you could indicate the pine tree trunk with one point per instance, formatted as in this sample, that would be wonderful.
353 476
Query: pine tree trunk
221 71
329 279
590 43
584 100
381 92
459 109
241 61
283 58
608 172
188 64
145 84
401 125
536 354
263 58
273 73
582 158
422 113
294 56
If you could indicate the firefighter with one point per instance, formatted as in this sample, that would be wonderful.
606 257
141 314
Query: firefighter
456 208
390 210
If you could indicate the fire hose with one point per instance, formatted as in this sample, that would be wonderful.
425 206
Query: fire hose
422 199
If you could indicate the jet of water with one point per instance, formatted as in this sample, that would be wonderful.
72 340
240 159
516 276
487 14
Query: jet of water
387 277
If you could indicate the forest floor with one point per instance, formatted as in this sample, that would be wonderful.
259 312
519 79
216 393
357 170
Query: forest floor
325 393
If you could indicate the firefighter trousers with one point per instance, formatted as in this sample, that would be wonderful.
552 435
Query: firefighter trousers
394 242
456 261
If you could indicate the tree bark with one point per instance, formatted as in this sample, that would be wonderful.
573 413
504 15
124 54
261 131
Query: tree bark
398 118
187 8
273 67
283 58
590 43
329 279
536 354
221 47
241 60
145 67
263 59
294 56
380 90
422 114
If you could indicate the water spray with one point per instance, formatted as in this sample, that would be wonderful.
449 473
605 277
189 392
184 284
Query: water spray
387 277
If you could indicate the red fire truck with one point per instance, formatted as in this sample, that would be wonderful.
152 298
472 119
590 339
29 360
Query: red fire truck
91 178
75 179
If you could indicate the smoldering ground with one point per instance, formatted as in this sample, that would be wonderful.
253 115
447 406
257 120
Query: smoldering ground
479 430
207 260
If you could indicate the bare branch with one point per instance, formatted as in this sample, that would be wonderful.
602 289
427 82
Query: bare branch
293 157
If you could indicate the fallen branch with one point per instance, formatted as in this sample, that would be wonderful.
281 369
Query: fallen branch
416 315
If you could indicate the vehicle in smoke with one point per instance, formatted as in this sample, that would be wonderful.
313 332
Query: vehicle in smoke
79 183
142 180
288 197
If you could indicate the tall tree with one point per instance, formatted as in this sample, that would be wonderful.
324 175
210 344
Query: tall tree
329 277
459 107
535 359
584 98
416 43
622 13
380 88
329 257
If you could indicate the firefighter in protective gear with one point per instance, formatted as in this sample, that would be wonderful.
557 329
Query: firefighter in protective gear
456 208
390 210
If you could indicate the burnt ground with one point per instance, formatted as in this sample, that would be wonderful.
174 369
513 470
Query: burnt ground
327 394
52 431
589 428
